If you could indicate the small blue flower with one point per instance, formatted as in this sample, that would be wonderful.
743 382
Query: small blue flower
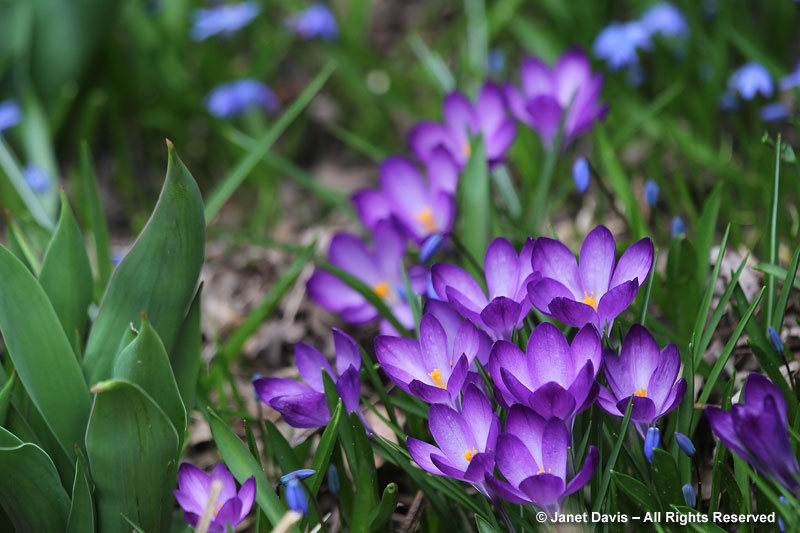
678 227
773 112
10 114
303 473
775 339
781 525
790 81
496 62
38 180
618 43
689 495
317 20
430 246
651 191
665 19
651 442
685 444
296 497
751 79
232 99
334 485
224 19
580 173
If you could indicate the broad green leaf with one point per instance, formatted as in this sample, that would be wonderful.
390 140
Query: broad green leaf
19 245
612 459
144 362
81 512
380 515
366 478
636 491
95 218
484 526
282 451
187 356
132 449
474 202
322 456
243 465
30 488
666 478
158 276
5 397
41 353
13 171
66 274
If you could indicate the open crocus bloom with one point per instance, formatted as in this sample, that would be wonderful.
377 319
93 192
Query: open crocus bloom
452 323
421 207
466 440
756 430
532 455
643 372
435 368
548 92
552 377
462 119
507 275
303 405
380 269
194 488
593 291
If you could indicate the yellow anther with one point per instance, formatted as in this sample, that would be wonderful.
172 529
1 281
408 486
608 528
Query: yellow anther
436 376
469 454
382 289
217 508
590 300
451 362
641 393
541 470
425 217
466 149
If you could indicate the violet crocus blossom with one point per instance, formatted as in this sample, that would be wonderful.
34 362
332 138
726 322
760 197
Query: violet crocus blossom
665 19
597 288
237 97
317 20
547 92
462 120
756 431
379 268
750 79
225 19
10 114
532 454
435 368
551 377
644 373
194 488
465 441
421 207
302 404
507 275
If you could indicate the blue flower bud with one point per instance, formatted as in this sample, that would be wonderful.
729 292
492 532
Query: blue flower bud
781 525
430 246
651 191
334 485
685 444
296 497
580 173
678 227
38 180
303 473
775 339
651 442
689 495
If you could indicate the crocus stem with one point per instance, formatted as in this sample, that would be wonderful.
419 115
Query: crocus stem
507 519
463 251
543 186
699 483
312 497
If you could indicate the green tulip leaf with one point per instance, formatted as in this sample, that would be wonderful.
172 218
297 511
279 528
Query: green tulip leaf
81 512
187 357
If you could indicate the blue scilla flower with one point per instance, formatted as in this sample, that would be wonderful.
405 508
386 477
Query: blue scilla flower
775 339
37 179
689 495
295 493
774 112
790 81
231 99
665 19
751 79
651 442
225 19
10 114
430 246
580 173
678 227
317 20
651 192
496 62
618 43
685 444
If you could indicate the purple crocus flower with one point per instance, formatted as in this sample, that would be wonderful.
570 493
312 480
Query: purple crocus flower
317 20
194 487
487 117
303 405
436 367
619 42
593 291
547 92
644 373
465 441
235 98
225 19
507 275
421 207
751 79
379 268
665 19
756 430
551 377
532 455
10 114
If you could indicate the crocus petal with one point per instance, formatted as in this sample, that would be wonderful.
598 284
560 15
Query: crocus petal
505 490
545 112
514 460
544 290
757 388
459 116
640 354
428 393
269 388
490 108
472 342
608 402
549 356
583 389
722 426
445 275
304 410
193 484
347 351
451 433
498 143
635 263
221 473
448 469
332 293
573 313
349 388
247 495
458 377
359 314
536 77
587 346
501 265
189 505
585 473
664 375
517 390
554 260
310 363
644 410
229 513
552 400
371 206
555 443
433 343
528 427
349 253
505 355
501 316
596 260
479 465
543 489
674 397
442 170
447 316
425 137
399 352
571 73
616 300
421 453
516 103
482 421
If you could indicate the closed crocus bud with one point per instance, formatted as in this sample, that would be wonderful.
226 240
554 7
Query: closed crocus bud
334 485
689 495
685 444
775 339
678 227
651 442
651 191
580 173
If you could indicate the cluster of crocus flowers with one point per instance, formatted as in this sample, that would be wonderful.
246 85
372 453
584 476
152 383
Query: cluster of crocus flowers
197 491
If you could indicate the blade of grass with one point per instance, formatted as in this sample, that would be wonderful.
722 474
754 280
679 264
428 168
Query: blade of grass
433 64
783 298
773 233
612 459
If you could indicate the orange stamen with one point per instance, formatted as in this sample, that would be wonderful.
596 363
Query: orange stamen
436 376
382 289
590 300
425 217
